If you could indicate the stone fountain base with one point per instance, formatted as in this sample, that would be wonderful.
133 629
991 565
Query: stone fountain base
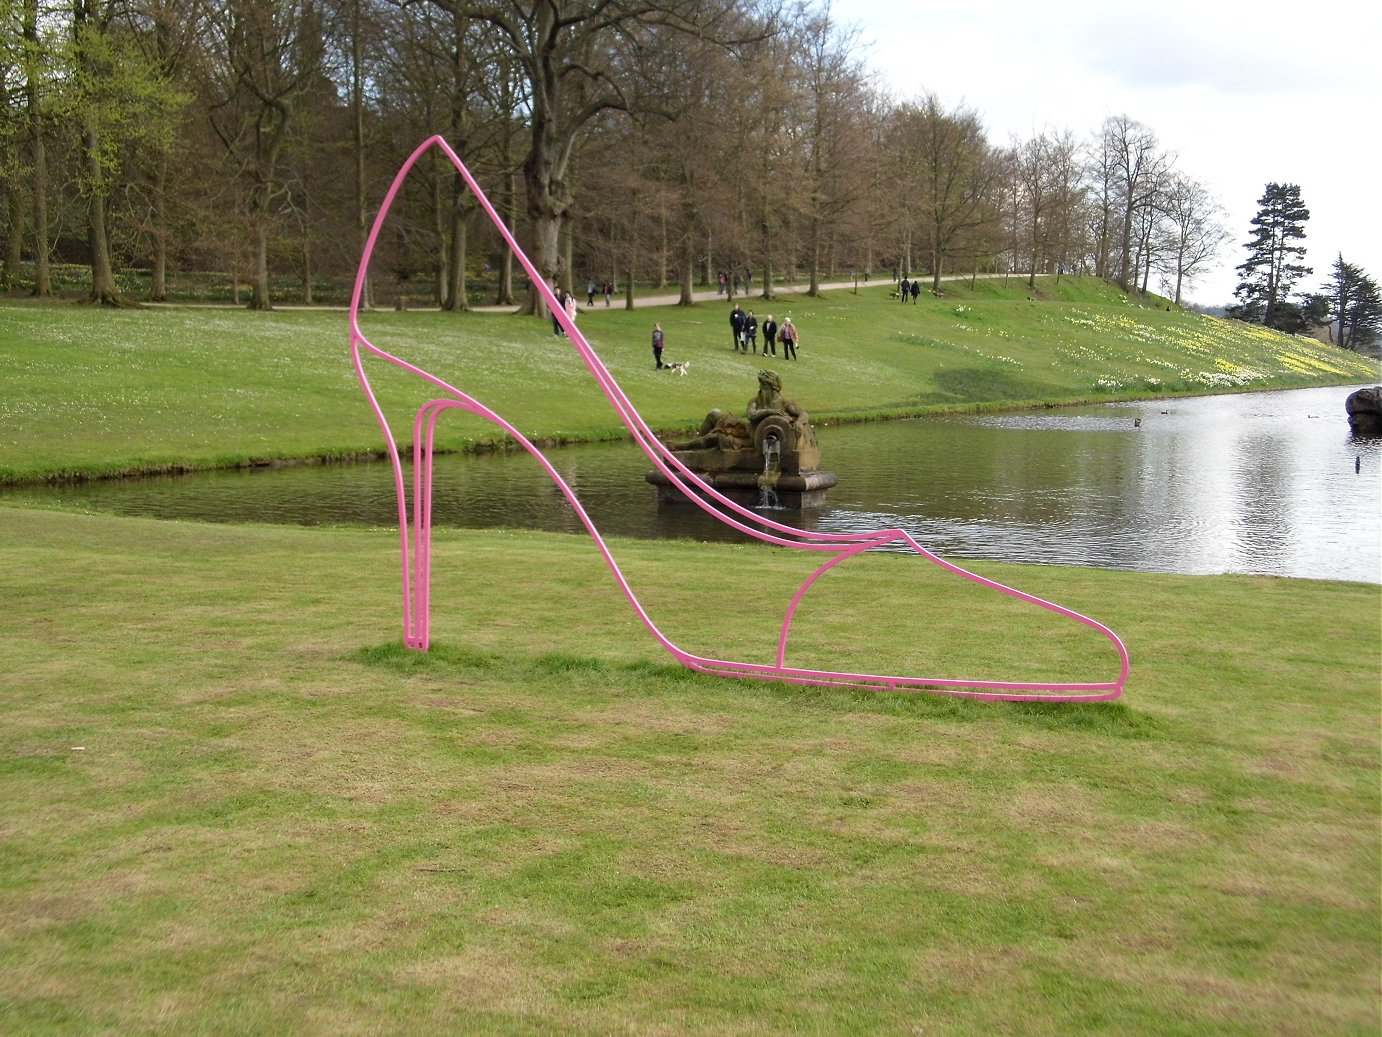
793 490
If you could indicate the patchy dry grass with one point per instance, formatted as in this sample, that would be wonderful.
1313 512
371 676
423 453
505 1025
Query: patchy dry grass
233 805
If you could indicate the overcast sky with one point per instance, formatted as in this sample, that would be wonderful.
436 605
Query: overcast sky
1243 93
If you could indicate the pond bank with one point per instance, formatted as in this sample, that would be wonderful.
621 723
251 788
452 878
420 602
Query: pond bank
367 455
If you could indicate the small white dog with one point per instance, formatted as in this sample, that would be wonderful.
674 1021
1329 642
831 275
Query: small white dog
680 367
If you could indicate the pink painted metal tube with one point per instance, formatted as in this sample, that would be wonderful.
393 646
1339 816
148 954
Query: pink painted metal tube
416 553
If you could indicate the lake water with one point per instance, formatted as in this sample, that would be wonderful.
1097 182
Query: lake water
1269 483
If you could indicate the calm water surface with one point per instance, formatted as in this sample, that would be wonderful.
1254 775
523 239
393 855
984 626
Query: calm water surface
1254 483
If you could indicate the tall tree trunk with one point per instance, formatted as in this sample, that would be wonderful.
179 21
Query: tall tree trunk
544 171
43 281
158 282
1036 250
357 111
456 257
267 148
98 240
1125 263
504 296
443 267
769 238
14 224
815 286
509 202
568 248
455 260
688 269
306 266
455 299
613 260
662 252
259 287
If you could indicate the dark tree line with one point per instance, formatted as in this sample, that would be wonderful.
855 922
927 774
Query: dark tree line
634 141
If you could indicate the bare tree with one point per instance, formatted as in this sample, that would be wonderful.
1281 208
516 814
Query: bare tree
758 96
682 144
1193 231
12 167
34 61
580 58
873 180
1068 197
266 53
831 84
952 183
121 103
91 51
1101 180
1138 167
1033 167
359 28
167 34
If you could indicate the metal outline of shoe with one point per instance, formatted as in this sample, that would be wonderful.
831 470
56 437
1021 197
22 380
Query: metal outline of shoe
416 550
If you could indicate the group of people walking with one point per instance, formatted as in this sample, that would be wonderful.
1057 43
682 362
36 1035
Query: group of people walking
745 328
905 287
568 306
728 282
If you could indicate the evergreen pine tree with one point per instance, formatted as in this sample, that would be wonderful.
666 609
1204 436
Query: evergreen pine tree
1274 259
1355 305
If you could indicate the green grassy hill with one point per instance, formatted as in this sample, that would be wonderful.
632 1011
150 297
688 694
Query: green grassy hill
91 392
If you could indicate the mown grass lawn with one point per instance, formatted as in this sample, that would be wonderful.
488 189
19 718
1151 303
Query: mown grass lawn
233 804
89 392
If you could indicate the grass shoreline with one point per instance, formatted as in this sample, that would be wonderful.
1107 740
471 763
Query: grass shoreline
96 394
366 455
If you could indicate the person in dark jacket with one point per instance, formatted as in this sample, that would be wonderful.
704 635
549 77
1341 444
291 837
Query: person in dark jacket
751 333
769 336
658 340
561 302
916 290
736 326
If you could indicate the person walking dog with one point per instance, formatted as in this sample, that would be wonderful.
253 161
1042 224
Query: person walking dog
658 340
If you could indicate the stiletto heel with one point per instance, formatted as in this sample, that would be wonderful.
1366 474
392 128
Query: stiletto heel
419 636
416 546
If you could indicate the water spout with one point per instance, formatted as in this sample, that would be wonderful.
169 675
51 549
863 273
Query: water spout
767 481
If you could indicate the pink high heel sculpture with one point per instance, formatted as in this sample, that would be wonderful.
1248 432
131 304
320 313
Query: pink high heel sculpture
416 549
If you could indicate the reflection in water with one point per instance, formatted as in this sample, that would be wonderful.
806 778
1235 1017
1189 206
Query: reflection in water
1248 483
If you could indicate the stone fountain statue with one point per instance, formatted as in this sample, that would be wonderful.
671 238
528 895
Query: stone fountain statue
770 455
